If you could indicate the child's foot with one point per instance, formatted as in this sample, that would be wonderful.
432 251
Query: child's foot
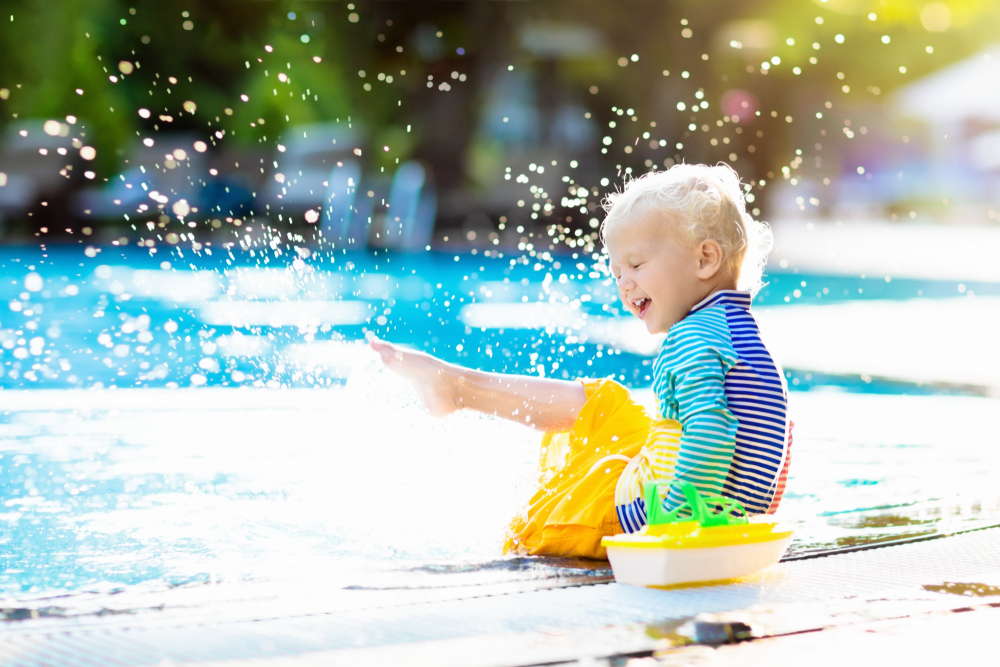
429 375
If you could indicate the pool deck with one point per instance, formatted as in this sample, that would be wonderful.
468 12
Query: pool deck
934 638
882 598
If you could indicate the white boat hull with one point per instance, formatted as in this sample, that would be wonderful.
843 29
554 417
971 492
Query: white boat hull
645 566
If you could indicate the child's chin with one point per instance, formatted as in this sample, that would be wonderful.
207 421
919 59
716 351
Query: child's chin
652 327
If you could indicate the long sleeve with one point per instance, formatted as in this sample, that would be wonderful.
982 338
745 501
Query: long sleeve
692 380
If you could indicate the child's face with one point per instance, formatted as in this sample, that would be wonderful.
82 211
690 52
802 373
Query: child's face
658 273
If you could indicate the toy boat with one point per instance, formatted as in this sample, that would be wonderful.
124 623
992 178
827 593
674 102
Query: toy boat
707 546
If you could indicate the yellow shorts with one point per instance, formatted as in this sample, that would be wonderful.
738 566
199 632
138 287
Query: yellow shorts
574 506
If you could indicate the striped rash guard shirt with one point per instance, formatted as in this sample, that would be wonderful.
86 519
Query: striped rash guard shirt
723 407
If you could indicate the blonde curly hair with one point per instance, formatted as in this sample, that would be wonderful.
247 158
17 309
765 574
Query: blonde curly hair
702 202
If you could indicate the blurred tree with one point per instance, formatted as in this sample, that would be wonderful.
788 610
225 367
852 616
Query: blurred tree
420 77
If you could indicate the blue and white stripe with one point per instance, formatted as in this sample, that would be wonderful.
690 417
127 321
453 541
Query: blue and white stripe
717 378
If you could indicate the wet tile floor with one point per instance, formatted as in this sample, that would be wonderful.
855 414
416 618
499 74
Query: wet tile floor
596 624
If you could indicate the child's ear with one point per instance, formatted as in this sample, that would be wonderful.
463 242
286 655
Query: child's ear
709 259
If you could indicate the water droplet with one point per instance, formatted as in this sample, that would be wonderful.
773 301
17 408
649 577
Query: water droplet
33 282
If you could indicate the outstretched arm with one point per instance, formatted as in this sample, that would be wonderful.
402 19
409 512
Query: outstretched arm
545 404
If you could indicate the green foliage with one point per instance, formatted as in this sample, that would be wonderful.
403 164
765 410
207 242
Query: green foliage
220 50
52 48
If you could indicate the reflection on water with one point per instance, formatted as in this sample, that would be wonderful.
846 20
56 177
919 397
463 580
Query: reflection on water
236 486
964 588
880 469
886 521
152 495
123 319
178 495
564 571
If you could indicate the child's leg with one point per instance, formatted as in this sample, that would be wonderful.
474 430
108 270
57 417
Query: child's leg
548 405
574 505
656 461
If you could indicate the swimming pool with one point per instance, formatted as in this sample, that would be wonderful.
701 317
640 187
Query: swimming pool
122 318
169 428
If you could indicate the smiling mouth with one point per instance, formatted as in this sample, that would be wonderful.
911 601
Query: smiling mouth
642 305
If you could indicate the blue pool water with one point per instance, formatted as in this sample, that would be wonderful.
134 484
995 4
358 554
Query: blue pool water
217 419
126 319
